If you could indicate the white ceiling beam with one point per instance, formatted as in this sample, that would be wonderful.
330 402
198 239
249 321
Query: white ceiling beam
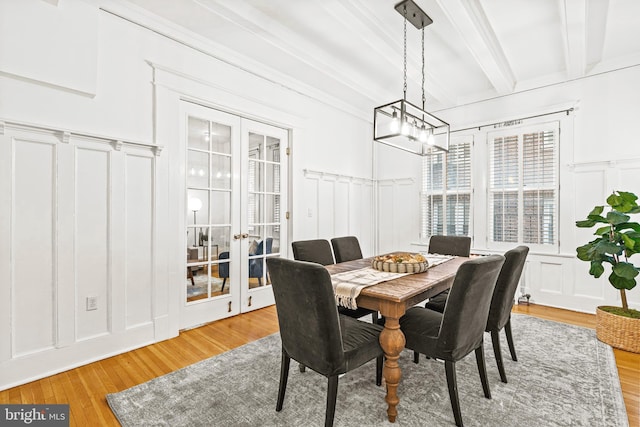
597 14
251 19
573 14
384 44
469 19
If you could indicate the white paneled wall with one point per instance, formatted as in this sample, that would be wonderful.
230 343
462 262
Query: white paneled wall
33 272
77 223
561 280
397 225
339 205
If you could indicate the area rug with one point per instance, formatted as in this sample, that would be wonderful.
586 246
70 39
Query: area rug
200 285
564 377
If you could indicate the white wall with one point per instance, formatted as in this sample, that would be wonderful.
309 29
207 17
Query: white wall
90 207
599 153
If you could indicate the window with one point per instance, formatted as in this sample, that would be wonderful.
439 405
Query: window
523 185
446 192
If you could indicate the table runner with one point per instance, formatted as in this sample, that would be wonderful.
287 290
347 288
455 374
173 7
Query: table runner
348 285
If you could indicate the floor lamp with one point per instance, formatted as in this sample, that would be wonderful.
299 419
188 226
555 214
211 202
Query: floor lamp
194 205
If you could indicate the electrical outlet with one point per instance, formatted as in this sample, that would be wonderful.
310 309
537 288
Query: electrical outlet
92 303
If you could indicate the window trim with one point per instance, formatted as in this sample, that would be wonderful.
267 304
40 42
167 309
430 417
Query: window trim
426 213
528 126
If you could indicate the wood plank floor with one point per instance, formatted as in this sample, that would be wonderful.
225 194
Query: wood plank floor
85 387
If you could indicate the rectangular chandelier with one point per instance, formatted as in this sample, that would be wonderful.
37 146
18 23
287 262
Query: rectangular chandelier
401 124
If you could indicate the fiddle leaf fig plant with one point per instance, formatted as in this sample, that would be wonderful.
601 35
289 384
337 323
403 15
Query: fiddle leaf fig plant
618 239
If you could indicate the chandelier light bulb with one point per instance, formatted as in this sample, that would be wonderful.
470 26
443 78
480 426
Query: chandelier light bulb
431 140
406 128
423 134
395 123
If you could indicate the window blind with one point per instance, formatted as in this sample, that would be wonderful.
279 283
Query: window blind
523 185
446 191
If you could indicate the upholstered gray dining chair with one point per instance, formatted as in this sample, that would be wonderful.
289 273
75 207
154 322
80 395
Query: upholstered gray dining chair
447 245
319 251
501 304
312 331
346 248
452 335
450 245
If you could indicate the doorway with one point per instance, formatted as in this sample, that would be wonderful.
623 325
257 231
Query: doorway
236 198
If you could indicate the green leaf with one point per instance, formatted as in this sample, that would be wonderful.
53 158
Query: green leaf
602 230
628 225
625 269
622 201
586 223
605 247
621 282
596 269
629 243
628 197
597 211
616 218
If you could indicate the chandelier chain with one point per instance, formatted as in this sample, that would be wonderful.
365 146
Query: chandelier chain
404 89
423 97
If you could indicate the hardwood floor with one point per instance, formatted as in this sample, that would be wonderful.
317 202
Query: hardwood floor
85 387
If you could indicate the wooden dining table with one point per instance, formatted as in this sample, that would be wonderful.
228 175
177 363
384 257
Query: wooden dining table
392 299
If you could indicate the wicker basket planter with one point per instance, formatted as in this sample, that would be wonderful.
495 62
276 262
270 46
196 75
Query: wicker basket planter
618 331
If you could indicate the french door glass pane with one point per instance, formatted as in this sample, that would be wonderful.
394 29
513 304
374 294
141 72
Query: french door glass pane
198 134
221 171
263 203
198 172
208 173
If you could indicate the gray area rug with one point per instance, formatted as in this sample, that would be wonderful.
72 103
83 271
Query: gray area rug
564 377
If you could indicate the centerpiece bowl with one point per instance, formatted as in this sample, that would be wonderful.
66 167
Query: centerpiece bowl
401 262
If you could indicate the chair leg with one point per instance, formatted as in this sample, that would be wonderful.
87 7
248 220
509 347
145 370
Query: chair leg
416 357
379 361
452 384
495 340
332 394
259 281
374 317
512 348
302 368
284 375
482 369
224 281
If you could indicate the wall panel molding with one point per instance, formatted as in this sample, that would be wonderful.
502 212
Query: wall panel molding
72 226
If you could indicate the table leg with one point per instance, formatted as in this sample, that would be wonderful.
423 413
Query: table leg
392 342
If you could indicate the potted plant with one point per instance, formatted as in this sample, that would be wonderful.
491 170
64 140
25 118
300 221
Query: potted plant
618 239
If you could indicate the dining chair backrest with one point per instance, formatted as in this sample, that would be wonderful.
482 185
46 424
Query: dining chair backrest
506 286
318 251
346 248
307 315
450 245
467 308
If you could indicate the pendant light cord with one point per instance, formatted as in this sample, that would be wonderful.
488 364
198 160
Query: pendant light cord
423 97
404 89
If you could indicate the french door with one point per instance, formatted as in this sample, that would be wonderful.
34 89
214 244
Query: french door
235 176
